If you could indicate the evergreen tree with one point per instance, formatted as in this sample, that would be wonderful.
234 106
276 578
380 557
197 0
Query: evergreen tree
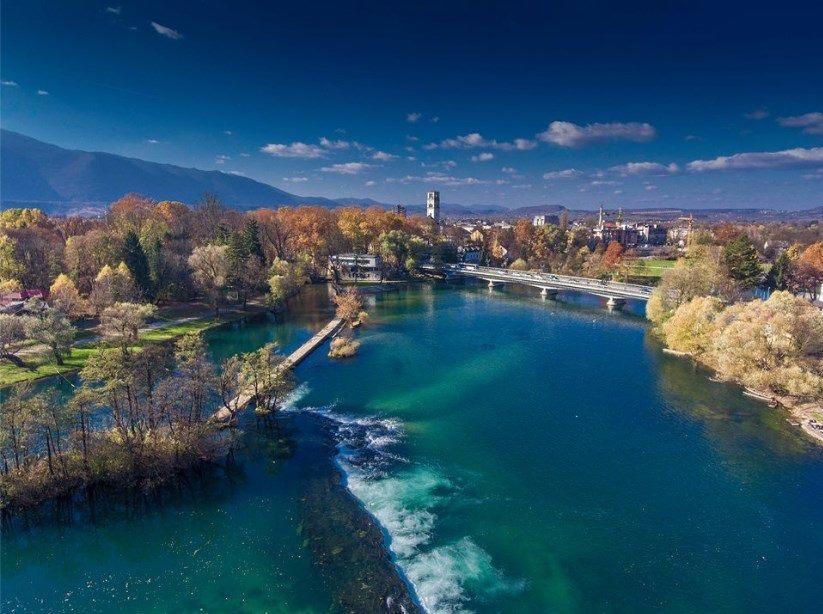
778 277
154 256
251 239
135 258
236 255
742 262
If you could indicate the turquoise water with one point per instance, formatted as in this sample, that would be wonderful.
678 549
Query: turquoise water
520 455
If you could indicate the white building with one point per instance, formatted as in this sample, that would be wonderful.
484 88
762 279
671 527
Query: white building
433 206
542 220
355 267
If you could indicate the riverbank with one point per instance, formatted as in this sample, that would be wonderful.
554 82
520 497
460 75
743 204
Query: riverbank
807 415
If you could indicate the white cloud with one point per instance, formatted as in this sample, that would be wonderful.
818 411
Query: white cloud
228 132
691 137
475 139
509 170
564 174
650 188
483 157
152 141
296 179
166 31
115 10
798 157
522 186
371 183
294 150
757 114
618 191
413 117
411 137
438 178
42 93
9 83
812 123
238 173
383 156
329 144
435 119
221 159
567 134
599 182
347 168
245 155
646 168
449 164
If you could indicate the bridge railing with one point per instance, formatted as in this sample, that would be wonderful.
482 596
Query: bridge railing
553 279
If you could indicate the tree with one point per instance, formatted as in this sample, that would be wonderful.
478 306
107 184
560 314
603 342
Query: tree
52 328
210 264
10 268
613 255
87 254
112 285
774 345
742 263
121 322
23 218
692 327
64 296
135 259
129 213
267 377
17 427
196 373
251 239
779 274
349 306
12 332
394 247
699 274
284 281
807 274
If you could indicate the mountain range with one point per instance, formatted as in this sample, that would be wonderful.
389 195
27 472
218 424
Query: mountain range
70 181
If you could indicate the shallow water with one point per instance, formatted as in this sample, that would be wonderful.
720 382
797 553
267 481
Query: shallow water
520 455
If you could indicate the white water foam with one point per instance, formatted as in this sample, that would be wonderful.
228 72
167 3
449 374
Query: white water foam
404 498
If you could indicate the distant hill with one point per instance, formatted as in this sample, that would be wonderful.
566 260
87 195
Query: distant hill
62 181
35 172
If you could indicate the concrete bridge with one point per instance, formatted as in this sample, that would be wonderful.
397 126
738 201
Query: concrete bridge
550 284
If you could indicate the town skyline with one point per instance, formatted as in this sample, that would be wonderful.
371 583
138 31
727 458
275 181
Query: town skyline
517 107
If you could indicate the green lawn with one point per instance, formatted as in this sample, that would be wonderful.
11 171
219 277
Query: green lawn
44 365
651 267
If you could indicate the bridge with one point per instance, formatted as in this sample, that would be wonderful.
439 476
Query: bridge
550 284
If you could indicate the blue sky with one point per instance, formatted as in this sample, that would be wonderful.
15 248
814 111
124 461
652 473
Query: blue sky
684 104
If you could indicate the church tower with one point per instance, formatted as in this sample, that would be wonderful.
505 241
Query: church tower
433 206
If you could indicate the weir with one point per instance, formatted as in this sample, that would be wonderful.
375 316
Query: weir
291 361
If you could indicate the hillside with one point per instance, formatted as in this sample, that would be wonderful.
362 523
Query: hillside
58 179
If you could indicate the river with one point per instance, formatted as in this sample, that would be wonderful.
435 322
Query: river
520 455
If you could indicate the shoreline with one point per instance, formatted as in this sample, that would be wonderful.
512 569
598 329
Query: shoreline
801 413
191 325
